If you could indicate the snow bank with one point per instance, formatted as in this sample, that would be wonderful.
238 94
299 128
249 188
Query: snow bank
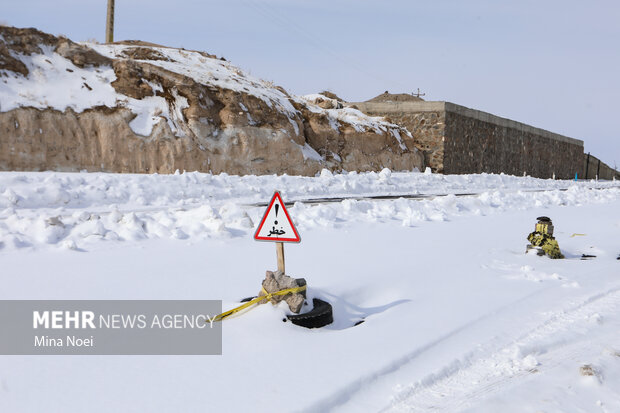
79 210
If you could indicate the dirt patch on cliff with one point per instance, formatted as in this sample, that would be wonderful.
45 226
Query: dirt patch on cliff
143 53
332 95
147 45
395 97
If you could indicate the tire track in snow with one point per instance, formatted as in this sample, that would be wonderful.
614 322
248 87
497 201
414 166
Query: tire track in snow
463 384
472 374
341 396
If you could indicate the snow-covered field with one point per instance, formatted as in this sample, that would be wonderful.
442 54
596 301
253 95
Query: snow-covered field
456 316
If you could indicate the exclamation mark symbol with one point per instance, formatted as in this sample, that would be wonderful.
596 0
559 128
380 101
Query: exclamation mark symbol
277 207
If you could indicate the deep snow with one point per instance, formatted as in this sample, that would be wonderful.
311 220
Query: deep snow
80 210
457 317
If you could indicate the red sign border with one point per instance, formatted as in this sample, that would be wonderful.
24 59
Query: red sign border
276 194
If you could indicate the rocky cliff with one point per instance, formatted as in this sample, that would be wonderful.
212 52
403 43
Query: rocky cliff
139 107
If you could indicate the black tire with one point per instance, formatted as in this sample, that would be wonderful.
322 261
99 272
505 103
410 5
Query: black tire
320 316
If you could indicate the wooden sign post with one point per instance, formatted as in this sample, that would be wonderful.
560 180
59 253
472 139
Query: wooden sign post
109 24
277 226
280 254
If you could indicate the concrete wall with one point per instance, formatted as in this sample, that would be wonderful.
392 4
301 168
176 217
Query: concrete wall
478 142
456 139
425 121
594 168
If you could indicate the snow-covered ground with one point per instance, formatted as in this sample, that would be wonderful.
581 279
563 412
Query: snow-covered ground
86 210
456 316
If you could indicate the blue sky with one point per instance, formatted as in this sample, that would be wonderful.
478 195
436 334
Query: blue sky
551 64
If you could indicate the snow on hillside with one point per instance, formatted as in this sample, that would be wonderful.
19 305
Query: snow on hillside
55 82
359 120
456 317
207 71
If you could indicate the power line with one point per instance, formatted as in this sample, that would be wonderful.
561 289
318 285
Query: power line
269 12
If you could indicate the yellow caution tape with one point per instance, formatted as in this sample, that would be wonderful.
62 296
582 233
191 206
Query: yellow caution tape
575 235
266 297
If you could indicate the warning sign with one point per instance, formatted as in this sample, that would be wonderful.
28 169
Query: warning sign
276 224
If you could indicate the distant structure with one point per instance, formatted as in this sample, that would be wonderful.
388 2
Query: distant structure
395 97
459 140
109 24
418 94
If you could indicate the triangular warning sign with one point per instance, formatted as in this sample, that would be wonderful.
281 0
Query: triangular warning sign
276 224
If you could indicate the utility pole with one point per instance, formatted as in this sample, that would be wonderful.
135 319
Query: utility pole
418 94
109 24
